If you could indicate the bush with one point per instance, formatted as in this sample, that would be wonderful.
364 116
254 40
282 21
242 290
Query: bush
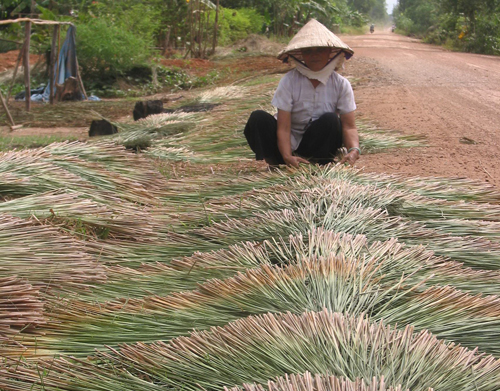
106 51
486 38
237 24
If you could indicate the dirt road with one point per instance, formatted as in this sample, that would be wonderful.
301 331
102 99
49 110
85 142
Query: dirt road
453 99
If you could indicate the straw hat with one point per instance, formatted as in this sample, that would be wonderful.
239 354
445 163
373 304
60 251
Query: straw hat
313 34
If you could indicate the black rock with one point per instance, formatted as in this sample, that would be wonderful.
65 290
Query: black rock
101 128
144 108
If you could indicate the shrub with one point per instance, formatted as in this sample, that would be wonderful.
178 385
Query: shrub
106 51
237 24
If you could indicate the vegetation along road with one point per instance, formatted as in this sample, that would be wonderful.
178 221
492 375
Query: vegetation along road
453 99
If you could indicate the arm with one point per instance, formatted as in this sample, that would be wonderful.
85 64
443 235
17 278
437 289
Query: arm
284 139
350 136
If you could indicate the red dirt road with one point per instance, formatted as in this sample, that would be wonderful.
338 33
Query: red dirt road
453 99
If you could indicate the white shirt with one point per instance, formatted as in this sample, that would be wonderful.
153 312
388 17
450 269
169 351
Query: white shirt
296 94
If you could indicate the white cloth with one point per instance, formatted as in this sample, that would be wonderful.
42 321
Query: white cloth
296 94
324 74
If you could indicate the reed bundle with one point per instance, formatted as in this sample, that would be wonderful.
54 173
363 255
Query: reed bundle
45 257
416 263
38 171
20 306
354 218
85 218
347 285
309 382
256 349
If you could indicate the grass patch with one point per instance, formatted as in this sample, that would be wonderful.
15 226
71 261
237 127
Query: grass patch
26 142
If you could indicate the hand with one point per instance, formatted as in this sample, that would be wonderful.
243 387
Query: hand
294 161
350 158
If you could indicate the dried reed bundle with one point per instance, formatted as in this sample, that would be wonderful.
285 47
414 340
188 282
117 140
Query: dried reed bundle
223 93
339 284
309 382
20 306
415 262
59 374
37 171
256 349
45 257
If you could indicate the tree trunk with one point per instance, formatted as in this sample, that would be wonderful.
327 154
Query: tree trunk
166 42
214 44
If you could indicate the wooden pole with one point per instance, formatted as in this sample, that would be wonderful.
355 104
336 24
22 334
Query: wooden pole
26 63
80 81
53 56
57 58
18 61
4 104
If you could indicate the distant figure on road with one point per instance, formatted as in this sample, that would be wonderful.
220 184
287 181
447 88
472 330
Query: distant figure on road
315 105
372 28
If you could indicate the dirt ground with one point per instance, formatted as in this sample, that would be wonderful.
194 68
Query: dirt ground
8 60
453 99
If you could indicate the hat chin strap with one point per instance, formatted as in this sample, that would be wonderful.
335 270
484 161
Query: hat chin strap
324 74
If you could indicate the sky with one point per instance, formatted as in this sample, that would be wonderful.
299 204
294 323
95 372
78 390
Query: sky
390 5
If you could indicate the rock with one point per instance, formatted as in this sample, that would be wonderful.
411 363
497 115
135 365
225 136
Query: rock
144 108
101 128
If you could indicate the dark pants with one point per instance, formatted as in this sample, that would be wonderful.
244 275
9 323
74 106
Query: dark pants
319 144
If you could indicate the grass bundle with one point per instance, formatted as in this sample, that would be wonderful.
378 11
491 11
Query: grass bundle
309 382
416 263
60 374
395 259
79 328
165 247
354 218
451 189
114 158
20 306
170 153
256 349
456 218
85 218
38 171
143 133
222 93
339 284
374 140
183 192
45 257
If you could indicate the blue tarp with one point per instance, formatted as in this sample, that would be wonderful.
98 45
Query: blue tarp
67 66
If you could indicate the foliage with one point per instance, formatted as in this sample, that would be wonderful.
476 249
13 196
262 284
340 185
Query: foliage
472 25
106 51
237 24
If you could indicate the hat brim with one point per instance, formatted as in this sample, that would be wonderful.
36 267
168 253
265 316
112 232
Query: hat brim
297 53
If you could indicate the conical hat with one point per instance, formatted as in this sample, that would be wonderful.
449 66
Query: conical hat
313 34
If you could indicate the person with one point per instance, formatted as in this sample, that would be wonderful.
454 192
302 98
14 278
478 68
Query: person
372 28
315 105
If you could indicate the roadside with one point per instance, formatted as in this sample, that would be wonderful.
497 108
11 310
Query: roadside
452 99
